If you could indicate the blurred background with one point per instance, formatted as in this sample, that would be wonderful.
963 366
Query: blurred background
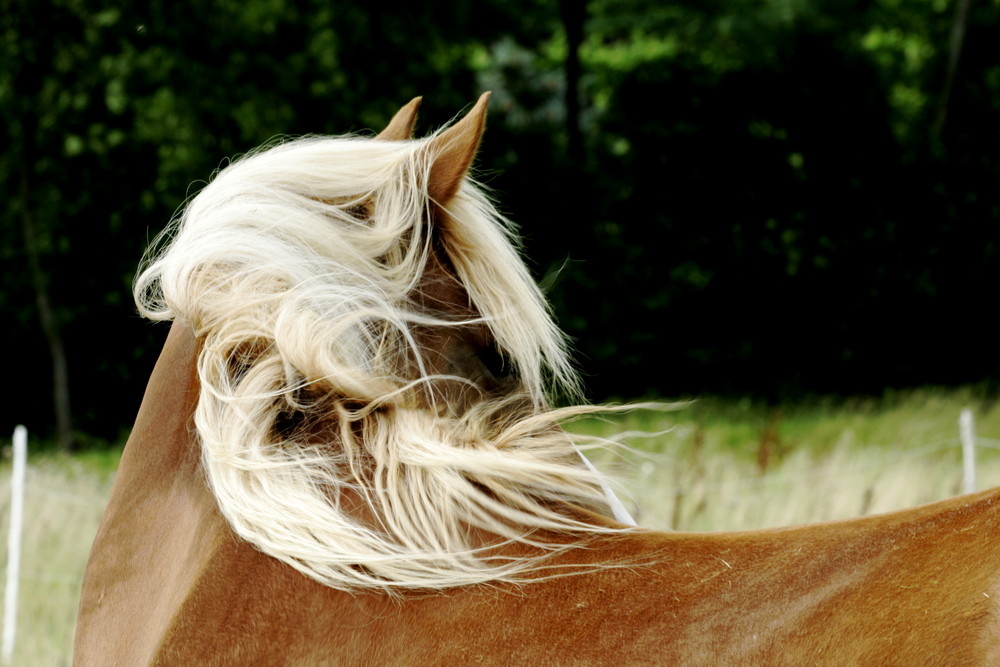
772 198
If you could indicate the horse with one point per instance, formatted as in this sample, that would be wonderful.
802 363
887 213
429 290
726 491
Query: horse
347 454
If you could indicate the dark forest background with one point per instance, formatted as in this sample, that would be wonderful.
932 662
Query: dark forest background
767 198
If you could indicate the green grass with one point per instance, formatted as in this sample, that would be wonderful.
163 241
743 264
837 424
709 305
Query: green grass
715 465
734 465
63 503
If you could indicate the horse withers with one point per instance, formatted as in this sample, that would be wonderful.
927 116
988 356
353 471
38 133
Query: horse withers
346 454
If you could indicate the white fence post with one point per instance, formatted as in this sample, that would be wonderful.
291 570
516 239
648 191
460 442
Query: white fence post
14 542
967 431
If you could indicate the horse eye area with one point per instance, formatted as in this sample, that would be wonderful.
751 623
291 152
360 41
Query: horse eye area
495 362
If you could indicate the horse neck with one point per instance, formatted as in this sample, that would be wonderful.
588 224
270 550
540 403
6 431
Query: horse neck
162 432
160 518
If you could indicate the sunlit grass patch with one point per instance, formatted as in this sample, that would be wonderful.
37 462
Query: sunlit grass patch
736 465
64 500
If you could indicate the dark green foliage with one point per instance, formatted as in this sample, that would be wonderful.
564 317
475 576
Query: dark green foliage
746 197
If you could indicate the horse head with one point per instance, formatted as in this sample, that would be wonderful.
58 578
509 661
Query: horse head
464 355
375 362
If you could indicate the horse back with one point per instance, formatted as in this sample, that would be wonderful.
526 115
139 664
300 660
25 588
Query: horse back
909 589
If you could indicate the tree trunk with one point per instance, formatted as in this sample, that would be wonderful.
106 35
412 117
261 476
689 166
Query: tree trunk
46 317
954 53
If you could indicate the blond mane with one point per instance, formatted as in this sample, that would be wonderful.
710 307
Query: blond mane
325 435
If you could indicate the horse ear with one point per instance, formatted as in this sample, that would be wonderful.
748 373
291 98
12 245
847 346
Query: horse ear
453 151
400 128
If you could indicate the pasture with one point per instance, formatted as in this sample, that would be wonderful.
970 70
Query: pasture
713 465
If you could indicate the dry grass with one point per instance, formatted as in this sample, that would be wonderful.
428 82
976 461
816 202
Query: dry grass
63 504
738 466
719 466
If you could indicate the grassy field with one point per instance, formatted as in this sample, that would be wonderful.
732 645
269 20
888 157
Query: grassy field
63 503
736 465
713 465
